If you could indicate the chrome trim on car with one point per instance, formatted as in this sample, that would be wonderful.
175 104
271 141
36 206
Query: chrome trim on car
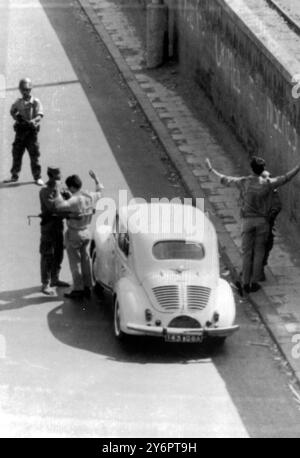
167 297
197 297
161 331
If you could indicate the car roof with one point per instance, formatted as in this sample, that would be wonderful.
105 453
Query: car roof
149 223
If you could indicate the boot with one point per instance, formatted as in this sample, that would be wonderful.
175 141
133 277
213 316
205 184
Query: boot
47 290
11 180
75 294
59 283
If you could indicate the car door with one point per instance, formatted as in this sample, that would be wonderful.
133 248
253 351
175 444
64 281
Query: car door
123 249
104 258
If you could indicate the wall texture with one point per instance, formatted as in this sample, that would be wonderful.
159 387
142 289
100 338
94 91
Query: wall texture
251 90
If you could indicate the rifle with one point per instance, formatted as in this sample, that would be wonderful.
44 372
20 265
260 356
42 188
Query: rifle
62 215
22 123
32 216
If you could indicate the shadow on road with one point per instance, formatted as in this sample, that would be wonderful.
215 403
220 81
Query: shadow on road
15 185
12 300
89 326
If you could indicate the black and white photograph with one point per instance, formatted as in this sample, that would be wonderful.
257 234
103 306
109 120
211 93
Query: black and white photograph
149 222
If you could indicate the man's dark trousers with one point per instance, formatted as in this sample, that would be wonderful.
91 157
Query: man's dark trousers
51 250
26 138
255 231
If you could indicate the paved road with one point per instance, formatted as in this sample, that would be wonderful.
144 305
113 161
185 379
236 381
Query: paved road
62 373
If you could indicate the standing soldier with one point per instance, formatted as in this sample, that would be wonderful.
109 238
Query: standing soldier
52 228
27 112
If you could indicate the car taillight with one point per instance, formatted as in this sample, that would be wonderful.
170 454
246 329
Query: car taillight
148 315
216 317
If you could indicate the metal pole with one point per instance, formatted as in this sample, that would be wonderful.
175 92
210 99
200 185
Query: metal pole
157 33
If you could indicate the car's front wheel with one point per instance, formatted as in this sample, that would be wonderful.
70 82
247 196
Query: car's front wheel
93 258
119 334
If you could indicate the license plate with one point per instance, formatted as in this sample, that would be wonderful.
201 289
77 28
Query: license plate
183 338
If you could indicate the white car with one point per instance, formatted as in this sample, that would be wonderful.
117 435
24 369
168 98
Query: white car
165 282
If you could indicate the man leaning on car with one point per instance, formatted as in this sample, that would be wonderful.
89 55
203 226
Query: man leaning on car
77 238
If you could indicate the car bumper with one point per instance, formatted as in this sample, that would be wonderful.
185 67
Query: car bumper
160 331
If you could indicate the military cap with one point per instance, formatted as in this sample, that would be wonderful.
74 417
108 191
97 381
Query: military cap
53 171
25 82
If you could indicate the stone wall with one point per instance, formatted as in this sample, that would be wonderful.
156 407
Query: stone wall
248 86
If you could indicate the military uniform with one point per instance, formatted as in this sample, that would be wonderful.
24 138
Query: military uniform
26 135
52 243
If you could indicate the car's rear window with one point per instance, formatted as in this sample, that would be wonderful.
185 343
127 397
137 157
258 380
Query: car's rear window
178 249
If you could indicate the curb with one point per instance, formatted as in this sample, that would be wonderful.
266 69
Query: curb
295 25
228 250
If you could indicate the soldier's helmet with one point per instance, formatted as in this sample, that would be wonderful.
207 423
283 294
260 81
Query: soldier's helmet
54 173
25 83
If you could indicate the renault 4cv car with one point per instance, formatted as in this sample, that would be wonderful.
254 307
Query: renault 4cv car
162 270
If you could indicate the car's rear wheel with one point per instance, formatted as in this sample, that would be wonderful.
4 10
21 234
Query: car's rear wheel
93 259
99 290
119 334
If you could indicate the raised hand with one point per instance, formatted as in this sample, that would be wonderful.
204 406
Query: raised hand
208 164
93 175
96 179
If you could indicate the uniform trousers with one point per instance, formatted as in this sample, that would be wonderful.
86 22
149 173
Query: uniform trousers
255 231
26 139
52 251
77 244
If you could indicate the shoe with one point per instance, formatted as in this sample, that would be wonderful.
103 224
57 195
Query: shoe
262 277
247 288
39 182
255 287
75 294
59 284
11 180
46 289
87 292
239 287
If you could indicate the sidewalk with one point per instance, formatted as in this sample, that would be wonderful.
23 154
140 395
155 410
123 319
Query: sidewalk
188 138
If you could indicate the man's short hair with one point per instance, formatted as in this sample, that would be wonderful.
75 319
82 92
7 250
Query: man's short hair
257 165
74 181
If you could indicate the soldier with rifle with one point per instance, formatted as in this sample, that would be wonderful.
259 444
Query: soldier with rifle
52 232
27 112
